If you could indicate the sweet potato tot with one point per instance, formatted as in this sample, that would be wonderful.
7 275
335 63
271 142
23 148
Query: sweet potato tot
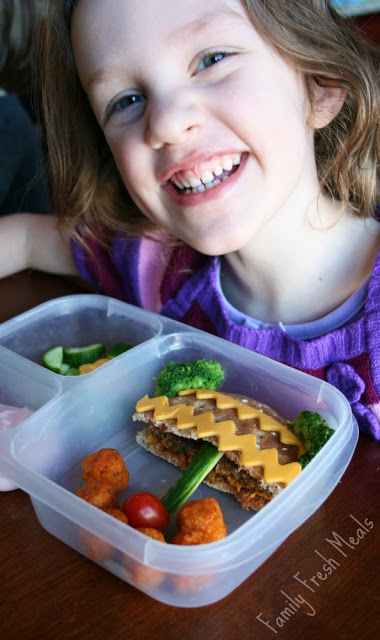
99 494
106 465
200 522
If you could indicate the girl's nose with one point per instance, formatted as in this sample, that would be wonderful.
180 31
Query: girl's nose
172 119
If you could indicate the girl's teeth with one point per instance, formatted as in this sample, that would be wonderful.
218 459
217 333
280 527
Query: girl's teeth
227 164
207 176
208 179
196 189
210 185
195 182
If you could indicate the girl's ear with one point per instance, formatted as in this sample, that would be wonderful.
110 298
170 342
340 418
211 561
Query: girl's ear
326 104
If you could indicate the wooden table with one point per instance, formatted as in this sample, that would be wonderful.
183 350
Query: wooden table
308 588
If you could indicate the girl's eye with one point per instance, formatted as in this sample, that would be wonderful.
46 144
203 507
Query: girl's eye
127 101
209 59
129 106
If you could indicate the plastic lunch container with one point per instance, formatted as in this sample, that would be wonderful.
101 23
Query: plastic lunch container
76 415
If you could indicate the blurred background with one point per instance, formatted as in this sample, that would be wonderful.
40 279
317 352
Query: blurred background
366 13
23 181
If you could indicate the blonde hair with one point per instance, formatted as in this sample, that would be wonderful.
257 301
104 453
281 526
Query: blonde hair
326 49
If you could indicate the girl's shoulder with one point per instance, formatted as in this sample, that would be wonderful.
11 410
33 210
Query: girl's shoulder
145 271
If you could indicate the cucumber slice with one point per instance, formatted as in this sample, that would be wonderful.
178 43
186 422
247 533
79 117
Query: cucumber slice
75 356
53 358
72 371
118 348
65 367
199 467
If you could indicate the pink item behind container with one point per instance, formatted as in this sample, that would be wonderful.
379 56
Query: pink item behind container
11 417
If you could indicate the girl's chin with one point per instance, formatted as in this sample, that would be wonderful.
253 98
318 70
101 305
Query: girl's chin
211 246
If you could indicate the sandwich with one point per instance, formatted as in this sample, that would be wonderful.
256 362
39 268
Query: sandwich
260 450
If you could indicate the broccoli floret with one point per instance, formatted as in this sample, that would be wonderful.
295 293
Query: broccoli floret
313 431
199 374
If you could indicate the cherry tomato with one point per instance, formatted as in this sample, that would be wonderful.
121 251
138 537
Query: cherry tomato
145 510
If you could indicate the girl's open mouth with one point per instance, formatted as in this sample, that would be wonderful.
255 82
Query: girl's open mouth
205 176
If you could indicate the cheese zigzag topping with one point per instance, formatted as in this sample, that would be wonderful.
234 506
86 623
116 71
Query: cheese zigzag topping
228 440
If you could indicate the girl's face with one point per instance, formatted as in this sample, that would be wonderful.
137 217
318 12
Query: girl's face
208 126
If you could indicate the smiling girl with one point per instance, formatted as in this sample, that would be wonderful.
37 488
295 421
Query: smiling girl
216 163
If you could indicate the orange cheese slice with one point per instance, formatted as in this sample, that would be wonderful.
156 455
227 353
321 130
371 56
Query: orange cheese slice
224 430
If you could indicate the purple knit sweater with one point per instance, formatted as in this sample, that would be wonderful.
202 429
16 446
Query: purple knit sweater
182 284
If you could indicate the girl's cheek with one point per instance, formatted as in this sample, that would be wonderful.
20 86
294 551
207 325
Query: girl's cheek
122 156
